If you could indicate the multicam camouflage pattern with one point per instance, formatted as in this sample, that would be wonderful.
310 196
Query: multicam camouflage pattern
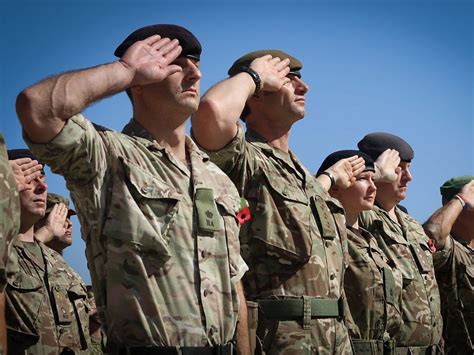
294 243
160 279
454 266
406 246
373 289
46 307
9 211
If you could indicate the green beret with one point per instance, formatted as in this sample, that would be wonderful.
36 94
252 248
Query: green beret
54 199
453 186
244 61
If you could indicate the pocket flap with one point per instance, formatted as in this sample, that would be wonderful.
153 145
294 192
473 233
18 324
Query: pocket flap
25 282
285 189
147 185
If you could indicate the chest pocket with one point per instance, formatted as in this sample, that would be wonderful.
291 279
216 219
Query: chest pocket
398 250
282 220
466 288
141 210
25 294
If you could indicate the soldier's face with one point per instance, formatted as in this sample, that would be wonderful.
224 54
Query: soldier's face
396 191
289 101
361 195
66 239
33 200
179 91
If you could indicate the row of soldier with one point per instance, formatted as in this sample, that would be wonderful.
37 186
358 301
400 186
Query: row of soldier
225 242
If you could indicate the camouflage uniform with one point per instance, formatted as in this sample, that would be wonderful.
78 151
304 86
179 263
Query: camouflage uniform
373 291
47 308
454 266
161 238
9 211
294 245
406 246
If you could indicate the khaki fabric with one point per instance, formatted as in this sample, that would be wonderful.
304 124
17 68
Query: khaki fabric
454 266
160 278
9 211
406 246
294 244
373 289
46 303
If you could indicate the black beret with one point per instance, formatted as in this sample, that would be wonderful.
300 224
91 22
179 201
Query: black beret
188 42
376 143
14 154
333 158
20 153
244 61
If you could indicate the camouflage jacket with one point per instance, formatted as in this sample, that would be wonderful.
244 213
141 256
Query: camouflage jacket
9 211
373 289
454 266
295 241
161 239
406 246
46 303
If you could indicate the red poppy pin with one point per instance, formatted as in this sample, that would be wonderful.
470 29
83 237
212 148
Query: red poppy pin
431 245
244 214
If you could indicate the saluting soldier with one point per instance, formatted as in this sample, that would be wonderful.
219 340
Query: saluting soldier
408 249
372 287
159 219
452 229
295 241
47 309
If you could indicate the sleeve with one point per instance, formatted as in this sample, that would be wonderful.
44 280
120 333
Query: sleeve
78 152
232 154
442 256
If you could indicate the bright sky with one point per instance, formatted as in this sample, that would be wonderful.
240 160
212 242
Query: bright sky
404 67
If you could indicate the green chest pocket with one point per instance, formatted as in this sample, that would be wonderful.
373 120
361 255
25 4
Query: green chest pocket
209 220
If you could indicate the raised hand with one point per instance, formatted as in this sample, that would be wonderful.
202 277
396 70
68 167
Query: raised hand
467 193
25 171
346 170
272 72
150 60
386 166
56 221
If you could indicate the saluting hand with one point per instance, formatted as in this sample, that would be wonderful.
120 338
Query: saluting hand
25 171
467 193
150 60
56 221
386 166
346 170
272 72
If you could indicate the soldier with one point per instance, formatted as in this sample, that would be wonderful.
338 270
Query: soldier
55 228
452 229
295 241
372 287
159 219
46 311
408 249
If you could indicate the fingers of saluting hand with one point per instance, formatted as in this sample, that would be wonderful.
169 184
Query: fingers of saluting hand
358 166
283 65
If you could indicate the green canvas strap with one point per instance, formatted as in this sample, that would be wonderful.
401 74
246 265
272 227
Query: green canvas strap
367 347
306 308
389 286
208 215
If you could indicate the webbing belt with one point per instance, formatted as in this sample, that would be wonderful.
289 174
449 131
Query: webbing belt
226 349
294 309
368 347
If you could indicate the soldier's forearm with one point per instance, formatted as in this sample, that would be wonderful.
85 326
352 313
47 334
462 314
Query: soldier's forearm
438 227
44 107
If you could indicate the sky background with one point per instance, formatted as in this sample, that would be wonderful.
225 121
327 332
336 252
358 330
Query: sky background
404 67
